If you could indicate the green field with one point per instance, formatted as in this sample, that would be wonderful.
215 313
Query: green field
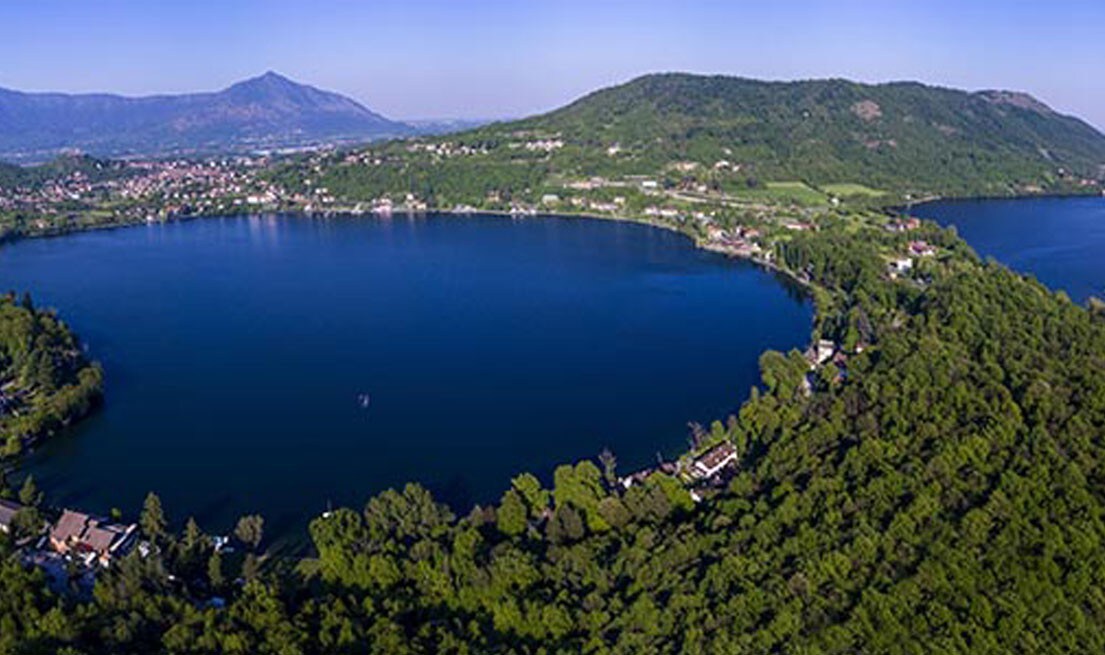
846 189
781 192
799 192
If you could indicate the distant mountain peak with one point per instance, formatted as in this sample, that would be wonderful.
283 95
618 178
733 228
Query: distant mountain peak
269 79
266 111
272 84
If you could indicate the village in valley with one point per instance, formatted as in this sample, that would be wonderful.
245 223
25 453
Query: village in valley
81 192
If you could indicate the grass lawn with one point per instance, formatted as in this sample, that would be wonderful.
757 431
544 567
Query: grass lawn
797 192
846 189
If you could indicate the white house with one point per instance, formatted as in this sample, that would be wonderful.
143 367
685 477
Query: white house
901 265
714 460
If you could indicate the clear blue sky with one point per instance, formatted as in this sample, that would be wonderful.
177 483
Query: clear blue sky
496 58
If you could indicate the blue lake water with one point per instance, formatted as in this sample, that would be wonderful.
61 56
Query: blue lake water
1061 241
240 354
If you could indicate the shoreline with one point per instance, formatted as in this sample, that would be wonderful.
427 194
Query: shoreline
985 198
293 541
17 464
349 213
808 287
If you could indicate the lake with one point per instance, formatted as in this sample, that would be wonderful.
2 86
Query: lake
1059 240
281 364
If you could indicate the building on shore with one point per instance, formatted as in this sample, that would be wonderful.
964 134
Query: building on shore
714 461
90 539
820 352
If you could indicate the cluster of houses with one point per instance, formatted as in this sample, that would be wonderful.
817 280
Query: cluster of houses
903 224
444 149
521 209
174 187
902 266
84 538
91 540
599 206
740 241
411 204
662 212
542 145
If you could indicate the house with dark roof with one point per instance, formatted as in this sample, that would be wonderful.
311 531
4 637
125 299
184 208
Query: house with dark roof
8 510
91 539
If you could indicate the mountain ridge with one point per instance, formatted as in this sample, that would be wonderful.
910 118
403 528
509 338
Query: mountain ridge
266 111
894 135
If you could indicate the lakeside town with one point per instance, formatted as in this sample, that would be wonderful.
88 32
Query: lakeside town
87 193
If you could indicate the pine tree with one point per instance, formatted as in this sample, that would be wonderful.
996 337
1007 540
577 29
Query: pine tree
250 530
511 517
29 494
609 466
215 570
193 541
153 520
251 567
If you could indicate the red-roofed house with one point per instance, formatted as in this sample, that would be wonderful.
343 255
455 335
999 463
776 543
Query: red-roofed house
91 539
921 249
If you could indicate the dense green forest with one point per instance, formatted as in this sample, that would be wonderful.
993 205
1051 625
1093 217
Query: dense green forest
901 136
944 496
45 380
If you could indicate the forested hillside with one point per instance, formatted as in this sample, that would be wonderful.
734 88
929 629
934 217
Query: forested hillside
901 136
45 379
727 140
90 168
